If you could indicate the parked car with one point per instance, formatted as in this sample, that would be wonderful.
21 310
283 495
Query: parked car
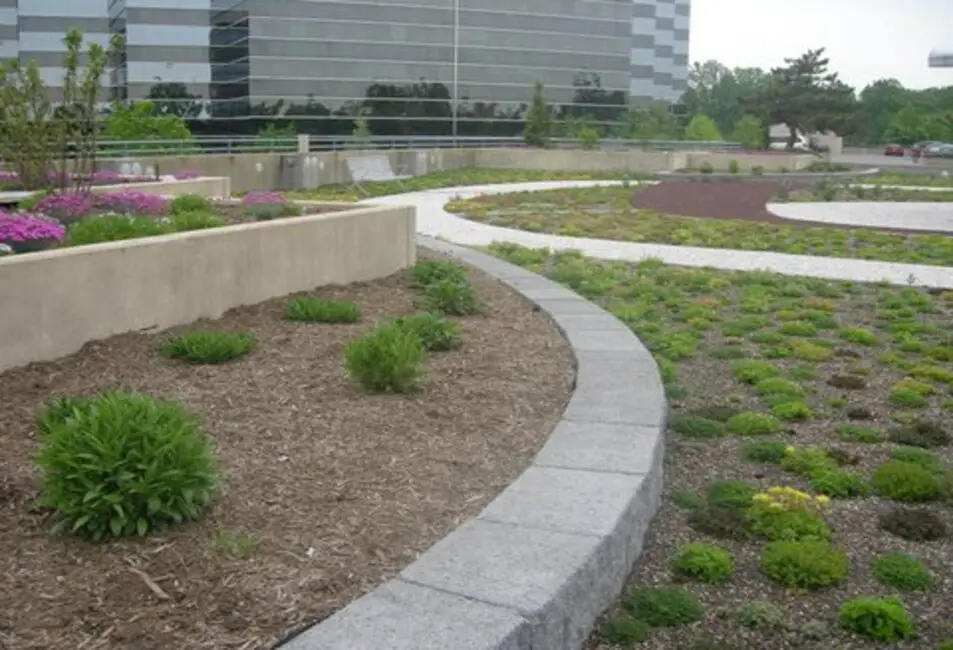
894 150
918 148
938 150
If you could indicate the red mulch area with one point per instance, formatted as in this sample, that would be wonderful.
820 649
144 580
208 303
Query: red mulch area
741 200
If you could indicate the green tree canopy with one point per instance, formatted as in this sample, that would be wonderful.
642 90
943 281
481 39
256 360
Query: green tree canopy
539 124
702 128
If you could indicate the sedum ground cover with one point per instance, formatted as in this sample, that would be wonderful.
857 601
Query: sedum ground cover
607 213
808 499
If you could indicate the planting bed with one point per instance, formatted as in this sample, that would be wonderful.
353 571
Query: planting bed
325 490
77 219
453 178
808 461
850 192
709 215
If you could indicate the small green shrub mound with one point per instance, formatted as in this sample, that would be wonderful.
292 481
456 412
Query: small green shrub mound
760 614
663 606
792 411
189 203
119 227
723 523
764 451
752 371
451 297
925 459
703 562
624 631
731 494
436 333
855 433
804 564
905 482
881 619
122 464
429 272
804 461
201 347
186 221
692 426
717 412
902 572
387 360
915 525
921 434
316 310
270 211
751 423
839 484
779 386
860 336
687 500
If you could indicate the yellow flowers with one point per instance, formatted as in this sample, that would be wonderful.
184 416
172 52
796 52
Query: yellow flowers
789 450
786 498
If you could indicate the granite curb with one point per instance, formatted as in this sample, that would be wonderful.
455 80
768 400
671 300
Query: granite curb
540 564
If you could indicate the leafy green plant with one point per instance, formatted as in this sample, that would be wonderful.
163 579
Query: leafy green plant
663 606
916 525
760 614
855 433
189 203
779 386
723 523
881 619
308 309
805 461
123 464
839 483
703 562
203 347
693 426
763 451
436 333
388 359
427 272
792 411
860 336
731 494
752 371
624 630
198 220
921 434
787 514
733 167
902 572
905 482
804 564
752 423
110 227
798 328
451 297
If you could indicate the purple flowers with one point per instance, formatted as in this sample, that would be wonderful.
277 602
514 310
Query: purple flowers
130 202
29 232
65 208
263 197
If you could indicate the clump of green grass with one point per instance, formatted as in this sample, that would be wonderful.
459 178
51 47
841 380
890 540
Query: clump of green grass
204 347
316 310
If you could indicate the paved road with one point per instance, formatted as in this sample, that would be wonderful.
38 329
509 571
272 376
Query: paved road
891 163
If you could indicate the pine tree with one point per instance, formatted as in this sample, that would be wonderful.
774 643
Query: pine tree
538 127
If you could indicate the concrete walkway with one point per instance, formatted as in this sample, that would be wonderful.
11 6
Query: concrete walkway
871 214
434 221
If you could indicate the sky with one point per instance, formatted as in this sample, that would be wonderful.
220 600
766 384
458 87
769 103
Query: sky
865 39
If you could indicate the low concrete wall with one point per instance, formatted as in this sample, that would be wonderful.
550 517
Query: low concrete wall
62 299
267 171
211 187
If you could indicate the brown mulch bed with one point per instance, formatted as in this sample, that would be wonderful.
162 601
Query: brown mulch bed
738 200
328 491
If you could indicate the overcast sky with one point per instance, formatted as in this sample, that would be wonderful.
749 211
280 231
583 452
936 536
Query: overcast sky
865 39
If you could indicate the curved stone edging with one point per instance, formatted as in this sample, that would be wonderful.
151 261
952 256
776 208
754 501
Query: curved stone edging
538 566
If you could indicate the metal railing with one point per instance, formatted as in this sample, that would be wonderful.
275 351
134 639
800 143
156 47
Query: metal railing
316 143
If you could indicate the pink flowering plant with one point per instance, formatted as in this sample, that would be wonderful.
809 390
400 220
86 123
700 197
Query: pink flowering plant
130 202
265 206
65 208
24 232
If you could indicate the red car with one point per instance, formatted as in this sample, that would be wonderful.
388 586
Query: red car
894 150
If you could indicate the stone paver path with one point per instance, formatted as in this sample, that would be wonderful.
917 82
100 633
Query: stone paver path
434 221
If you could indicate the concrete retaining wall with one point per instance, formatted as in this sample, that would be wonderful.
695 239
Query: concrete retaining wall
61 299
211 187
261 171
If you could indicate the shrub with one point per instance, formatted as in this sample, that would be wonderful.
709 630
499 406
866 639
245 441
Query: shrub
798 328
804 461
663 606
860 336
804 564
731 494
123 464
723 523
760 614
787 514
202 347
881 619
688 500
265 206
189 203
854 433
779 386
717 412
902 572
388 359
751 423
703 562
904 396
451 297
921 434
807 351
905 482
925 459
915 525
693 426
114 227
436 333
316 310
624 631
764 451
733 167
752 371
429 272
839 484
792 411
186 221
24 233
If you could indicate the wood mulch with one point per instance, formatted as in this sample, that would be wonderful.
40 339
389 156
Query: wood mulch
737 200
326 491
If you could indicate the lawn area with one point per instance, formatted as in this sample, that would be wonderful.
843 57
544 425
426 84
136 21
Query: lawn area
808 492
606 213
453 178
